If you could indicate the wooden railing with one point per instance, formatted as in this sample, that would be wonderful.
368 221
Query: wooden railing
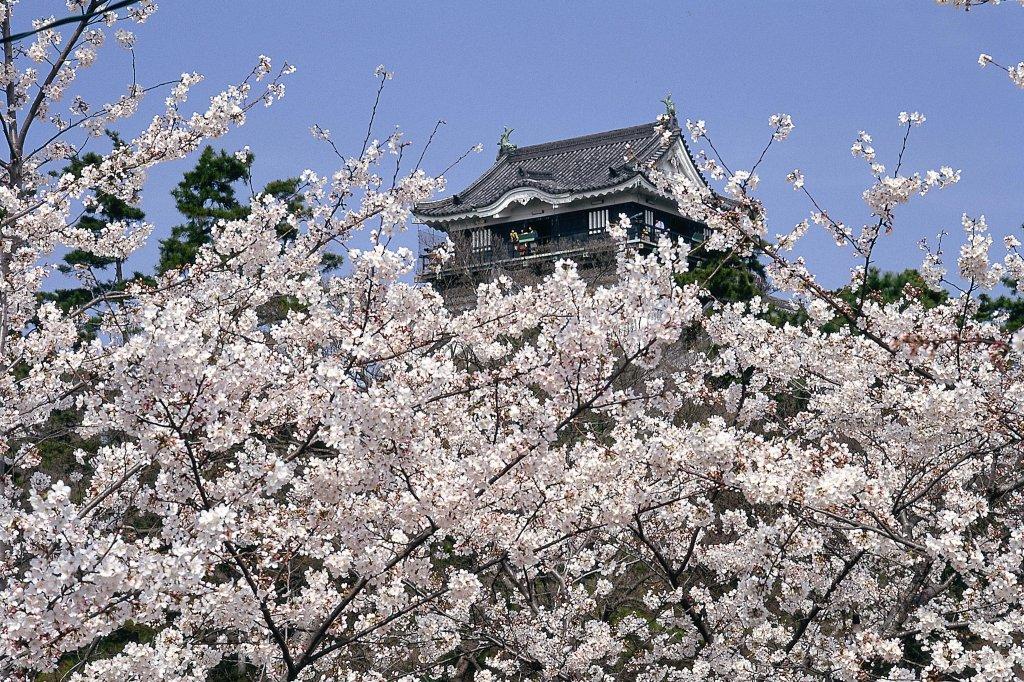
511 254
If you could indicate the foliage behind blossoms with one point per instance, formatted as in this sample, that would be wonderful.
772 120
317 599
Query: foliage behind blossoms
560 483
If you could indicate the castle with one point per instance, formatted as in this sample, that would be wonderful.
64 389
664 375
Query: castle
544 202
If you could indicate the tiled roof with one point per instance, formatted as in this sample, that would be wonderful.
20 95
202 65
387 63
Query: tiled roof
578 164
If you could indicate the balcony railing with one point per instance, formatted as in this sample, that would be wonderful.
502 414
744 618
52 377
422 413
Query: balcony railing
506 253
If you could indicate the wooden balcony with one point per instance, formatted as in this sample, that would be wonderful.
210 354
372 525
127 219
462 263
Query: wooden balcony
533 250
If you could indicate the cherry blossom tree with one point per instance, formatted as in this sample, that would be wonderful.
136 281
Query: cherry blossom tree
1014 71
562 482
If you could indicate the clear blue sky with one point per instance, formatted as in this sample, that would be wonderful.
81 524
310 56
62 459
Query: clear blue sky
558 69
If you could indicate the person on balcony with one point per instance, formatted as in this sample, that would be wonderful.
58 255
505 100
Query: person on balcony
524 242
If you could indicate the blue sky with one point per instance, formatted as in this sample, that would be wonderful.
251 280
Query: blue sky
558 69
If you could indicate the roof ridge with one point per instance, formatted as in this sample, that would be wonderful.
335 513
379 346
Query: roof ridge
580 141
592 139
575 164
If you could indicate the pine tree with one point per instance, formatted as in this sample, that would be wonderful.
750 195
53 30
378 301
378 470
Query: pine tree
890 287
105 210
726 277
1008 307
207 194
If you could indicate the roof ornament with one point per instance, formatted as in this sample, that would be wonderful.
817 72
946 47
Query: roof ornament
504 145
670 108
